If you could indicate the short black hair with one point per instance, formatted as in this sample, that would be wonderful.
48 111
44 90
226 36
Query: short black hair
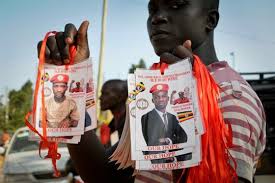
118 86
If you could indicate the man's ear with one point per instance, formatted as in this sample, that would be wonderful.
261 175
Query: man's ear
212 20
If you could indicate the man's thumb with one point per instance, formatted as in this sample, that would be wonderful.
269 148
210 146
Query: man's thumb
188 44
82 39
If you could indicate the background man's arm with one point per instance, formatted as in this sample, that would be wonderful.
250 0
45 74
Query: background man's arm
92 161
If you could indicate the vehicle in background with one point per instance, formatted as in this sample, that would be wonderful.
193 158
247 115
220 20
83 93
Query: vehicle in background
23 164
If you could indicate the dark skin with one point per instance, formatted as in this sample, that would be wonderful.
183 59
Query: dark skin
113 98
177 30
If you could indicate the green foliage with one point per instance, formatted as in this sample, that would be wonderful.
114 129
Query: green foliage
19 104
141 64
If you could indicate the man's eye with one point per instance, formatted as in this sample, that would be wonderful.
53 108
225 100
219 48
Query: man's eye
151 10
177 4
152 7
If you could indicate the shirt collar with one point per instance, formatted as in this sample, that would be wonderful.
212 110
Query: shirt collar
160 113
217 65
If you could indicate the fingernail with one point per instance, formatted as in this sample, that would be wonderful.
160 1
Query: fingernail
68 40
187 43
66 61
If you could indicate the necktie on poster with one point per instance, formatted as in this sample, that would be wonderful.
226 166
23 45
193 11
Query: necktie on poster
157 141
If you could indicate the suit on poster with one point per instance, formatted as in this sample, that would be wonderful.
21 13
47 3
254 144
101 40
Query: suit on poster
153 129
160 127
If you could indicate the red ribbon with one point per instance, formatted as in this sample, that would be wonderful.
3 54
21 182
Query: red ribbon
215 165
44 143
217 139
159 66
105 133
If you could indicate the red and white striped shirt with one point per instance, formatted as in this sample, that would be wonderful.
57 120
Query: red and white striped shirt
243 110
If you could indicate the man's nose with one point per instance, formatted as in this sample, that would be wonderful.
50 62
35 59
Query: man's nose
59 88
162 99
159 18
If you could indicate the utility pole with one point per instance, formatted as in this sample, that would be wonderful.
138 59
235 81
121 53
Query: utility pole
101 53
102 44
6 98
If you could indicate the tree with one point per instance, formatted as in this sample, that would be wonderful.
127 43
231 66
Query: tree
141 64
19 104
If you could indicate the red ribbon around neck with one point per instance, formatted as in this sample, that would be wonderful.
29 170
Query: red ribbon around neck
215 142
44 143
215 165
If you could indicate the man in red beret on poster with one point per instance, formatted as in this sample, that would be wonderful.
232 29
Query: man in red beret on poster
61 110
77 89
160 127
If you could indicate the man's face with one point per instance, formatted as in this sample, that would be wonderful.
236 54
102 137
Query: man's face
172 22
160 99
59 89
186 92
181 94
108 98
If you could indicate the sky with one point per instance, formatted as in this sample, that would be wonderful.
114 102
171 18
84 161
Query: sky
246 27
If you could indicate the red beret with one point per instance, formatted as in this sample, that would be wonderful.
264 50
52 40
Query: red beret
60 78
159 87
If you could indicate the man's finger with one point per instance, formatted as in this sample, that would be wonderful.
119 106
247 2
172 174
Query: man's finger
70 33
188 44
82 36
62 47
54 52
169 58
182 52
47 52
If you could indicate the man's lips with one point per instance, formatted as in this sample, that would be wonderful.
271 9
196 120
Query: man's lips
159 34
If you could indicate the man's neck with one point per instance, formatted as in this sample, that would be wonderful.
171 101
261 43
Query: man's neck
118 112
206 51
161 110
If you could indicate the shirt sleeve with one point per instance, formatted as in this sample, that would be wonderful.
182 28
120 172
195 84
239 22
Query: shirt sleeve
245 114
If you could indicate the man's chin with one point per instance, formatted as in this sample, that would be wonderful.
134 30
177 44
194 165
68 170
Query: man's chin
59 97
103 108
162 49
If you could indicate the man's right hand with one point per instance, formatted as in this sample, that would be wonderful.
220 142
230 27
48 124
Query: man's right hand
57 49
179 53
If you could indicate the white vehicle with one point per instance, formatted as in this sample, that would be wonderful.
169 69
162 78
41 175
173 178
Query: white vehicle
23 163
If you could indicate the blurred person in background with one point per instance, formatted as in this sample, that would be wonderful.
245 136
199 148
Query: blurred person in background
5 138
114 94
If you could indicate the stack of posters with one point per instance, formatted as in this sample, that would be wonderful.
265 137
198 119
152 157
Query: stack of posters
70 107
164 118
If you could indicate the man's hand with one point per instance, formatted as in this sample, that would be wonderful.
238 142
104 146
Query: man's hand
179 53
57 49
